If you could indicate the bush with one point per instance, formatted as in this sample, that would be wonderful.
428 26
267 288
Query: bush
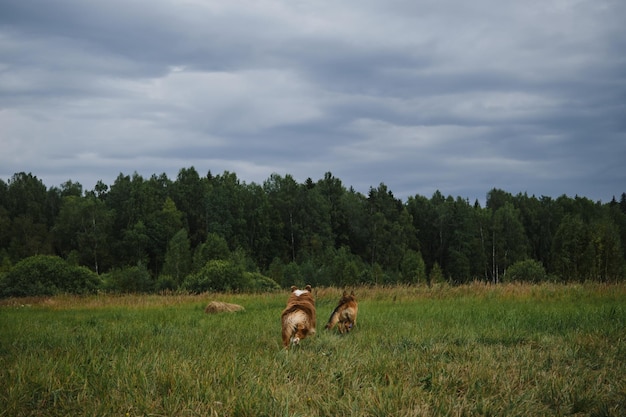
216 275
292 275
436 275
413 268
256 282
528 270
166 283
47 275
134 279
215 247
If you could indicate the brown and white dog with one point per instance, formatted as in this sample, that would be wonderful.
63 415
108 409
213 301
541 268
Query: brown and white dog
344 315
298 318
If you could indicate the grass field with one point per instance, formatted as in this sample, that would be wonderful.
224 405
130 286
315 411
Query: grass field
506 350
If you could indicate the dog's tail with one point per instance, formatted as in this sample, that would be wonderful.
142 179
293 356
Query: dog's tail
334 318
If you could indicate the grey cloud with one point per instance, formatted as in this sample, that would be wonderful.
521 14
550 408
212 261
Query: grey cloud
422 95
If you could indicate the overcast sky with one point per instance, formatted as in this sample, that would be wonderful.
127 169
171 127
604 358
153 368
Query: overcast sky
450 95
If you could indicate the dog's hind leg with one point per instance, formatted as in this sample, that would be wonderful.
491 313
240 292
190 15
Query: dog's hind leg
286 339
288 334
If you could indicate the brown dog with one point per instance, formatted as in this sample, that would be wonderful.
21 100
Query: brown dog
298 318
344 315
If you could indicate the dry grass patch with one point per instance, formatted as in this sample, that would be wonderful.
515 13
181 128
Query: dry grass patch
222 307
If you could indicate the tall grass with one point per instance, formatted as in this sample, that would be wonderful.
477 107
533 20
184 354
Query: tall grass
472 350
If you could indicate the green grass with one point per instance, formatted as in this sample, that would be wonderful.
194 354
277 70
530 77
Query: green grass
508 350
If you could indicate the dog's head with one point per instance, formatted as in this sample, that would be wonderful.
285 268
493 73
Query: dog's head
297 292
347 298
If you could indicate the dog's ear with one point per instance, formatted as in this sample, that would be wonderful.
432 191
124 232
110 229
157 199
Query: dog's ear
345 293
308 288
293 288
352 293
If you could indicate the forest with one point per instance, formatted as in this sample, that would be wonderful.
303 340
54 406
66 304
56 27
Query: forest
217 233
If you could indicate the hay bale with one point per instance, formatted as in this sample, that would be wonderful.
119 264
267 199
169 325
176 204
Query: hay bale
221 307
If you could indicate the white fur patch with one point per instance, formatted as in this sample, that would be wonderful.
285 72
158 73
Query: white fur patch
298 293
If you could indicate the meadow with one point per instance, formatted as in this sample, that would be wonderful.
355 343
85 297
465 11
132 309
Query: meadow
473 350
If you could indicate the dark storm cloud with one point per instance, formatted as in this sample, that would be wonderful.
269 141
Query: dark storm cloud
449 95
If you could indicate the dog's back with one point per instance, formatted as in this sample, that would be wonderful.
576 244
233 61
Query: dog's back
299 317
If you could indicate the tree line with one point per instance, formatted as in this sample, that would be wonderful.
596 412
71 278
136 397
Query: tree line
215 232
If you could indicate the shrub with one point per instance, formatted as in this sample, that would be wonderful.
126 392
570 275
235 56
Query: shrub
256 282
166 283
135 279
413 268
215 247
292 275
528 270
47 275
436 275
216 275
345 268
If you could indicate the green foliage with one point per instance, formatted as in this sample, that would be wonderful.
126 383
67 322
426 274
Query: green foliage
276 270
390 229
458 266
47 275
188 192
571 259
292 275
129 280
606 247
315 273
240 257
178 257
509 240
257 282
166 283
436 275
374 275
310 232
214 247
528 270
413 268
345 268
216 275
82 231
5 261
